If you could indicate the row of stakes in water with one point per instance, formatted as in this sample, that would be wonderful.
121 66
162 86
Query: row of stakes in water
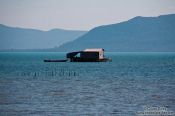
52 73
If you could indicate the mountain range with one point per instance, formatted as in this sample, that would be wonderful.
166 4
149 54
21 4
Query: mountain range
139 34
21 38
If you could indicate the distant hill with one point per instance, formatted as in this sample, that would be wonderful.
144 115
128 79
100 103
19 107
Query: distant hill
19 38
140 34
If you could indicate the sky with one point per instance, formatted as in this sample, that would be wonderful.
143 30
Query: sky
78 14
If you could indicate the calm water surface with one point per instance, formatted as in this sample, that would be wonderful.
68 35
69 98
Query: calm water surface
29 86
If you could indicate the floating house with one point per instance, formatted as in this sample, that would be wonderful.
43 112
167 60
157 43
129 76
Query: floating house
88 55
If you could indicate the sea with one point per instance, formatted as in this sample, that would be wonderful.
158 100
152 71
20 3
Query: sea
132 84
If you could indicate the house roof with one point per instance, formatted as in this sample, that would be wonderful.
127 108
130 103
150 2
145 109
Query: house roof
94 50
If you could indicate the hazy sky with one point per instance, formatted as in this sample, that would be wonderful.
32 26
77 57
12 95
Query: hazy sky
78 14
